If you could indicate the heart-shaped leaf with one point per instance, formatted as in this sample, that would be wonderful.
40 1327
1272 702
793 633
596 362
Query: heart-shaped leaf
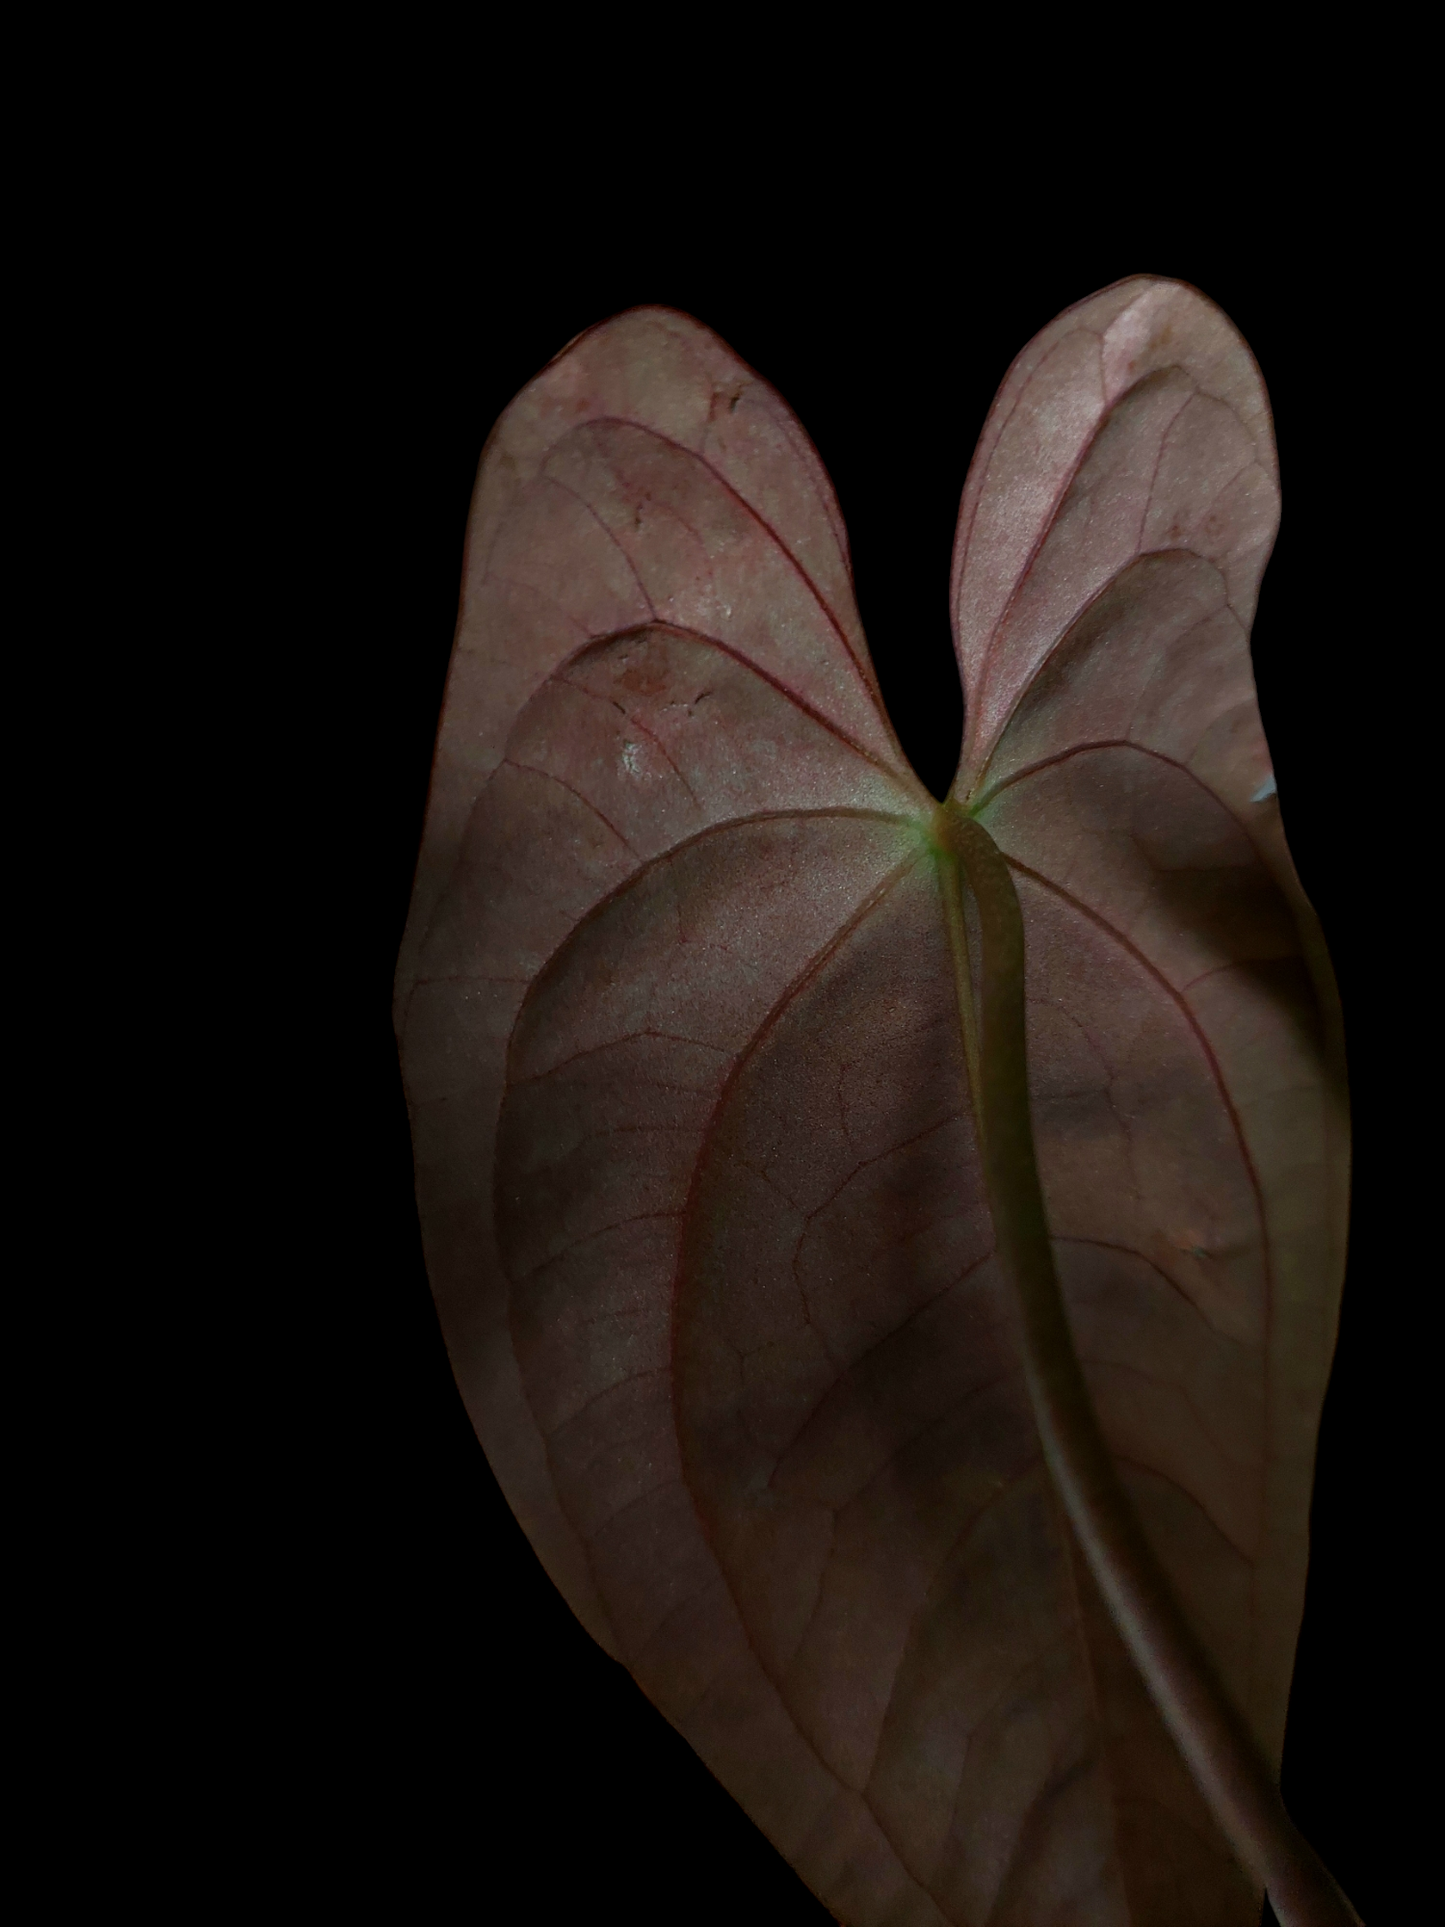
700 1003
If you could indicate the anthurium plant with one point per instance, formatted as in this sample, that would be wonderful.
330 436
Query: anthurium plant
890 1248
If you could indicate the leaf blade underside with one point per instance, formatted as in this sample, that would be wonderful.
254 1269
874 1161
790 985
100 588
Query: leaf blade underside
697 1162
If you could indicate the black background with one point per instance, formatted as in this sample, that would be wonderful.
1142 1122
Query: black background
439 1728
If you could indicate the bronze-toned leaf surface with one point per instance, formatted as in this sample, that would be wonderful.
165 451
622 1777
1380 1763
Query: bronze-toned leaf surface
697 1156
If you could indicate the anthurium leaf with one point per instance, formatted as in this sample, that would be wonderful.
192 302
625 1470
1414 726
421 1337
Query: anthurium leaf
698 1006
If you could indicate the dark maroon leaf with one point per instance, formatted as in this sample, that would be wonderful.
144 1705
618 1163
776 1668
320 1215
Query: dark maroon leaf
695 1015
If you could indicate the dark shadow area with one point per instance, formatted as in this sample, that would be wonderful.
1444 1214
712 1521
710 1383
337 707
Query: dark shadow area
899 475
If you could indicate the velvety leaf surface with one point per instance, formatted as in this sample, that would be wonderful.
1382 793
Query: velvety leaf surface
696 1152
